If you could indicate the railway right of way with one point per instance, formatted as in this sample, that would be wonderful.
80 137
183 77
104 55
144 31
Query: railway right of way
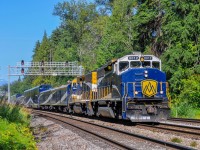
121 139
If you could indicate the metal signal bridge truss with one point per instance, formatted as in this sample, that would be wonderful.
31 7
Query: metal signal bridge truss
44 69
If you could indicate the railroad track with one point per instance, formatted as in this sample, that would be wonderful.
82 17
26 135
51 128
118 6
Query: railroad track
109 134
178 129
185 120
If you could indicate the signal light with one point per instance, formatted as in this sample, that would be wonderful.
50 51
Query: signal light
22 62
22 70
42 63
42 70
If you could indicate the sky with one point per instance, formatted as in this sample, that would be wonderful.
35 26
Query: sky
22 23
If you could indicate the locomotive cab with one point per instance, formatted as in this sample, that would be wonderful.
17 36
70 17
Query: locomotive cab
130 61
143 88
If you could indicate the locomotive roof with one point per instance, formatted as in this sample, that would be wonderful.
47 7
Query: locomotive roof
54 89
32 89
37 87
136 57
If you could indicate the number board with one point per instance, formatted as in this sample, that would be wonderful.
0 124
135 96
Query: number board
136 58
147 58
133 58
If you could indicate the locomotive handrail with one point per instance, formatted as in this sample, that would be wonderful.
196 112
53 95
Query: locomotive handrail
94 94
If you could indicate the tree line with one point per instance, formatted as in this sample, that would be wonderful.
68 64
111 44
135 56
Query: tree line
93 33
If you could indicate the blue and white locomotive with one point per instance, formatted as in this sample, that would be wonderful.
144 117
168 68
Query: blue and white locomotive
132 88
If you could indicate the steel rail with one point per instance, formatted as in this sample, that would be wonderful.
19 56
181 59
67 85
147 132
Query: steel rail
181 126
118 144
164 143
185 120
174 130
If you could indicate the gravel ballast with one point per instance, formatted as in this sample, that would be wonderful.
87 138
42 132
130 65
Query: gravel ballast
52 136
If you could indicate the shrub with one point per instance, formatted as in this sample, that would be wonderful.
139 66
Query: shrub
14 131
13 113
184 110
15 136
4 110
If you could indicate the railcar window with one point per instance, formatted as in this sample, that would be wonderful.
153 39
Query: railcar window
123 65
146 64
156 64
135 64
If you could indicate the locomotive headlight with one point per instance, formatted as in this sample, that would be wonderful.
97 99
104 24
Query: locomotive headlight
145 73
136 92
161 92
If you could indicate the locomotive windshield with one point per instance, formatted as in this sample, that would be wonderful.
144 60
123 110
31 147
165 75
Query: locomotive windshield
156 64
123 65
137 61
135 64
146 64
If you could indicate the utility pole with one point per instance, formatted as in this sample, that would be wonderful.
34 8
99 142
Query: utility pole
9 84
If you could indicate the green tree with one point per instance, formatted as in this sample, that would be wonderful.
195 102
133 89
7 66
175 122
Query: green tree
94 33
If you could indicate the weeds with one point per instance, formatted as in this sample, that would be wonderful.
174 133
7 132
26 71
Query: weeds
13 113
193 144
176 140
14 130
184 110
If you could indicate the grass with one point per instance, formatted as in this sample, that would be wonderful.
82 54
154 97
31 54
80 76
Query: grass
193 144
197 113
14 128
176 140
184 111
